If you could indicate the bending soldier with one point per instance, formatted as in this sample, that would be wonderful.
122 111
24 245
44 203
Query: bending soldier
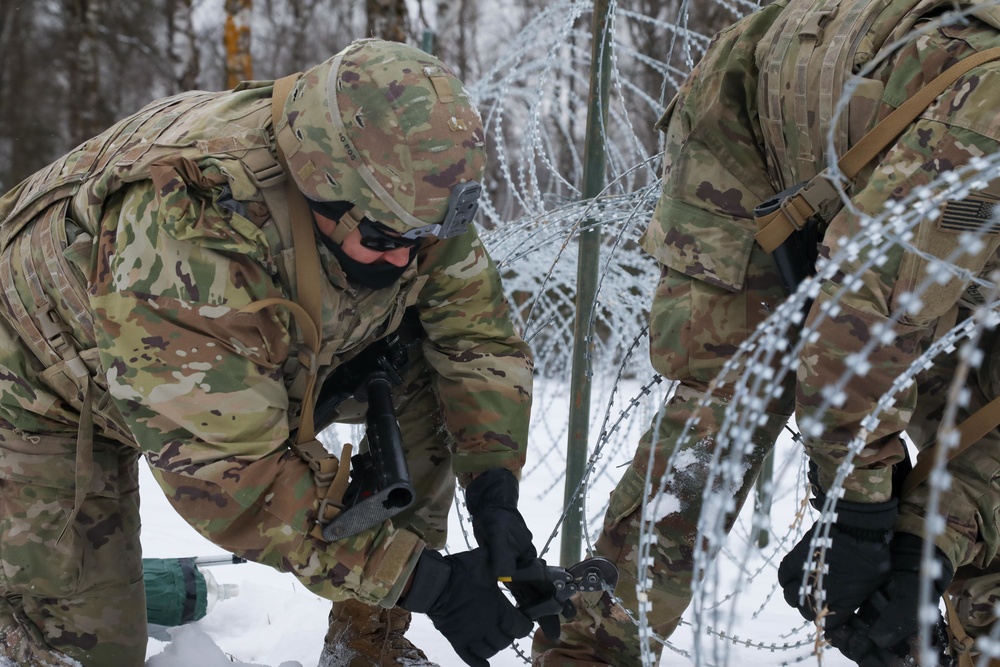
168 292
752 120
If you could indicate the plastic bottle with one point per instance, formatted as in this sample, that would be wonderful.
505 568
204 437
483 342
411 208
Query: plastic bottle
216 591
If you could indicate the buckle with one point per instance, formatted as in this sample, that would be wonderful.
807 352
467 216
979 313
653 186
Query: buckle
325 505
268 176
56 334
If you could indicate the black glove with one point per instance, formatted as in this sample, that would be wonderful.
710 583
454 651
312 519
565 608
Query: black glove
536 594
858 560
895 603
887 625
498 526
461 597
853 641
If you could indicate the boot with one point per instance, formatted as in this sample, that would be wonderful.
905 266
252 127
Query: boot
584 641
600 635
21 643
364 636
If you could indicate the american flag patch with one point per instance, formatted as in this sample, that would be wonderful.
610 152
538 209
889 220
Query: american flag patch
977 212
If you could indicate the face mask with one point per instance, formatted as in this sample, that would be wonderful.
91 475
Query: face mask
375 276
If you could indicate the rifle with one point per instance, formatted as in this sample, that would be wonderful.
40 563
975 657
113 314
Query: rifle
379 486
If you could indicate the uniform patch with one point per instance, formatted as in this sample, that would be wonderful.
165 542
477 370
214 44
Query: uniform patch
977 212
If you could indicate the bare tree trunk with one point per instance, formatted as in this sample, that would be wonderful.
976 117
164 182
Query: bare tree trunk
387 19
236 37
303 15
82 21
466 17
182 44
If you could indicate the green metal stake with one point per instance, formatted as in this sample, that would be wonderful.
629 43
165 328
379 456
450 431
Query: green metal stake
764 496
427 43
589 252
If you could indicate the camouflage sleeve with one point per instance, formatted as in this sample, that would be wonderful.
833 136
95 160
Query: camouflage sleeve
961 125
201 388
483 369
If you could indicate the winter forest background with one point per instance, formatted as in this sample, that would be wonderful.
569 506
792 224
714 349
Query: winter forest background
69 68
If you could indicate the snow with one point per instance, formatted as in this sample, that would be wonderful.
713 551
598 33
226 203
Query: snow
276 622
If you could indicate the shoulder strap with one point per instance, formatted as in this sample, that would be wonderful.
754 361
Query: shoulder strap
893 125
773 229
798 208
307 266
971 431
307 309
330 473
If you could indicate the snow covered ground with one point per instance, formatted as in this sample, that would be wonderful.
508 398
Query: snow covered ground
276 622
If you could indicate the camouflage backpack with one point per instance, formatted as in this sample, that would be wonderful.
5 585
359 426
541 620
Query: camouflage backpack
55 209
828 41
831 41
47 236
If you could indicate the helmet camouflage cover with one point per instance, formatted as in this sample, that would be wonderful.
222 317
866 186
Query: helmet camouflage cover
386 127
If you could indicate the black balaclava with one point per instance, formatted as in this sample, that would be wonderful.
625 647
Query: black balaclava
375 276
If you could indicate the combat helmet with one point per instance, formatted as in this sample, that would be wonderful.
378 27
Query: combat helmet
390 129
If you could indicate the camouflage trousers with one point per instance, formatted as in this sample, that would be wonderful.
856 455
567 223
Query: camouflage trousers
70 577
71 584
694 327
971 503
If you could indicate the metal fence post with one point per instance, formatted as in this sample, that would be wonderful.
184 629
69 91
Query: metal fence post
589 251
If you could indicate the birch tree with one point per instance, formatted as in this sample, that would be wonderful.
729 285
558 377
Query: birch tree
182 43
236 36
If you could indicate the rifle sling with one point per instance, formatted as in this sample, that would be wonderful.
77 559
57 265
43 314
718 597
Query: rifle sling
773 229
971 431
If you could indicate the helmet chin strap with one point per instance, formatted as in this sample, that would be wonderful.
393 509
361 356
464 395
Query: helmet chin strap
348 223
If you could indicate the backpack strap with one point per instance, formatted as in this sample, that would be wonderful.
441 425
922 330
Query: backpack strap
960 643
777 226
971 431
330 473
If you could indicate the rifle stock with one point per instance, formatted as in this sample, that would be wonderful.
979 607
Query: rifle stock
380 486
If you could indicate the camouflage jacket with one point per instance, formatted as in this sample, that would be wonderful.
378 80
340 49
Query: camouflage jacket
144 244
754 118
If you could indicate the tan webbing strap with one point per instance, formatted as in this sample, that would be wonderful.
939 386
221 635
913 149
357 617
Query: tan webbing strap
56 334
793 213
778 226
307 266
961 643
84 459
892 125
328 471
971 431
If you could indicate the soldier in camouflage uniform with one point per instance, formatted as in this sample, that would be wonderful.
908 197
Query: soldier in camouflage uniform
151 284
752 120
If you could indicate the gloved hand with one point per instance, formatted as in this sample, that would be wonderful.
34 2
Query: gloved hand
536 594
886 626
858 560
499 527
460 595
853 641
492 501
